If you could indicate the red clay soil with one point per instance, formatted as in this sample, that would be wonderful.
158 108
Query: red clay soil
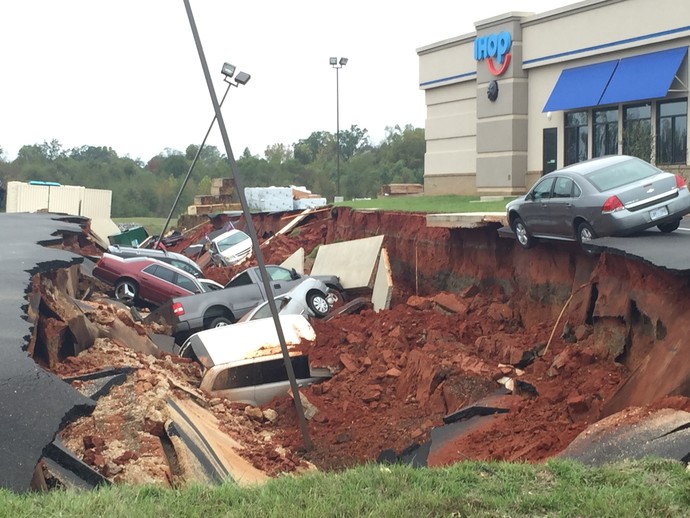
402 370
482 306
275 247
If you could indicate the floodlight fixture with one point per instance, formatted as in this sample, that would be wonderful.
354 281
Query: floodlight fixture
242 78
343 61
334 61
228 70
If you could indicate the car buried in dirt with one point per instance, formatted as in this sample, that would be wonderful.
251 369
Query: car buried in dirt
188 315
230 248
608 196
143 279
244 362
305 299
177 260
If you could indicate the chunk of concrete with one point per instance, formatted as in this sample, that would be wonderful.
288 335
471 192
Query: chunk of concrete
197 437
383 283
633 434
296 261
353 261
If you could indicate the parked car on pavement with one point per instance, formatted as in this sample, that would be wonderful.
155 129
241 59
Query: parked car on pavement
178 260
309 298
230 248
148 280
608 196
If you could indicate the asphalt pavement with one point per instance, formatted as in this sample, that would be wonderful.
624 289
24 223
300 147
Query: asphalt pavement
34 403
666 251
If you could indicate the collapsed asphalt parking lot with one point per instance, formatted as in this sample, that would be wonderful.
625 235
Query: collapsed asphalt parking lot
487 352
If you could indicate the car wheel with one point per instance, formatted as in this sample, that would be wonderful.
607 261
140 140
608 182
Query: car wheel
126 291
317 303
669 227
220 322
585 233
335 298
522 235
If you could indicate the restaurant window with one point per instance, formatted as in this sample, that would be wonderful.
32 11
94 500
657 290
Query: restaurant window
672 132
637 131
575 137
605 137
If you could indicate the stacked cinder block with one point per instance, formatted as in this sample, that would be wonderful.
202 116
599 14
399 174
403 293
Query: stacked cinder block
396 189
222 198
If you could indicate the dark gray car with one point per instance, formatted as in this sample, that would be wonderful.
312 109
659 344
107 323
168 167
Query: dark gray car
608 196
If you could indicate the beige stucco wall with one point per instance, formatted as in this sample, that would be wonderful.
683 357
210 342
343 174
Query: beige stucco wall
642 17
582 33
450 127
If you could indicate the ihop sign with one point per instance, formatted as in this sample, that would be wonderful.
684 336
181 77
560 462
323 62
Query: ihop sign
495 49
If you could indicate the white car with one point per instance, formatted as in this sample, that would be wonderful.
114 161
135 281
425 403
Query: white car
310 298
230 248
244 362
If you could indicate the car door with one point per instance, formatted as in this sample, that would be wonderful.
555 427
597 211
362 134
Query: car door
244 294
561 208
282 279
158 284
535 210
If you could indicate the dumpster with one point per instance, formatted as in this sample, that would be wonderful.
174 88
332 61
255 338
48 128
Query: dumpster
130 237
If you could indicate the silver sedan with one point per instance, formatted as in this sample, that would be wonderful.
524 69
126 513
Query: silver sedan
309 298
609 196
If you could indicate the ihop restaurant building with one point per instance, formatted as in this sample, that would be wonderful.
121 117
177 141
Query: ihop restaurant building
529 93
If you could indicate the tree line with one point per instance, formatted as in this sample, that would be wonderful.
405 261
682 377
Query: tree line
148 189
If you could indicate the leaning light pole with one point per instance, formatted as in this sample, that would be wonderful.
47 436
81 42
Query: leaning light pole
242 78
252 231
337 64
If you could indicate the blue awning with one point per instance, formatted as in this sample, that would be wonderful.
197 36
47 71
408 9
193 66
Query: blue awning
580 87
648 76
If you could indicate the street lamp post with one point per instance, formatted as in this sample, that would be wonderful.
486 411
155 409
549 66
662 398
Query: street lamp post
337 64
228 71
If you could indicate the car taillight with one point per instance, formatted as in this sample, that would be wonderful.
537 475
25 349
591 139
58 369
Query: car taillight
680 182
613 204
177 309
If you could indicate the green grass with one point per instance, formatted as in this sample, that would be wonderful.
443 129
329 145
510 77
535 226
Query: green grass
560 488
152 225
439 204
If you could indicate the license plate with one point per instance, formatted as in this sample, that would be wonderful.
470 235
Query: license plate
658 213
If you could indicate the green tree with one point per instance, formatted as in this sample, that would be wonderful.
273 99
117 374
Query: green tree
353 141
308 150
149 189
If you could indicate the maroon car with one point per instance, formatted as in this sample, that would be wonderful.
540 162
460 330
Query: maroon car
148 280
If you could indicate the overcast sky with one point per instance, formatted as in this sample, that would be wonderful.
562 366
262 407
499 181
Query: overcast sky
126 73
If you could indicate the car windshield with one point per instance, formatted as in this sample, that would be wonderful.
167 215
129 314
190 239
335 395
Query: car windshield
620 174
264 310
231 240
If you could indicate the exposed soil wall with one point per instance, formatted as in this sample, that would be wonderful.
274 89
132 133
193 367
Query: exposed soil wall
637 312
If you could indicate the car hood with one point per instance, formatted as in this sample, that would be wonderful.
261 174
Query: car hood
514 203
